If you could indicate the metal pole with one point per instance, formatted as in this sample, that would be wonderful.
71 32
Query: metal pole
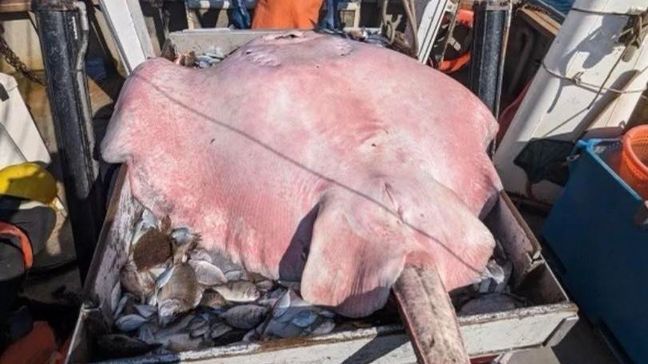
491 27
63 31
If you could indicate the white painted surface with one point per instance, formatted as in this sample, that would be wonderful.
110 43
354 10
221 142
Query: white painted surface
429 26
129 30
484 335
23 40
553 107
20 141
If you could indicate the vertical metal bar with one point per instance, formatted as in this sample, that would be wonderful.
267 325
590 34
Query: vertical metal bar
492 22
63 31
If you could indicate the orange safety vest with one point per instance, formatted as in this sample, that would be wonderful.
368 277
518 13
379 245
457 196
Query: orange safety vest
286 14
23 240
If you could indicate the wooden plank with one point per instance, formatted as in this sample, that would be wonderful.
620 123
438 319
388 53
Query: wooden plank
14 6
541 21
429 317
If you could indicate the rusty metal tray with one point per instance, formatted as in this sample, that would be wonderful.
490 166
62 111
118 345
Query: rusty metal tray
544 323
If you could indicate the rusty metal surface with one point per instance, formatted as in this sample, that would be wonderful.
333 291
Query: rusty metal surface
483 334
508 225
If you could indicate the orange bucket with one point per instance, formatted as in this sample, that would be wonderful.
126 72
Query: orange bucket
633 167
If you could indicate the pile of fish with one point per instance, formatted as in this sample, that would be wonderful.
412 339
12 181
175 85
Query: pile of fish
177 295
215 55
491 292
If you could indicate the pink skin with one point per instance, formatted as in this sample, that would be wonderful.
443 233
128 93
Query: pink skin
353 156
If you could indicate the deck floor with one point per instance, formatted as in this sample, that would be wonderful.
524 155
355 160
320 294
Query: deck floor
583 344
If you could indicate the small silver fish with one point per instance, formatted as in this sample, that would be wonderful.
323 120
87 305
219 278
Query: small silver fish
207 274
182 342
157 271
240 291
289 284
323 328
145 311
277 293
264 285
140 284
251 336
185 241
297 301
152 300
120 306
235 275
304 318
149 219
282 329
212 299
197 323
282 305
219 329
326 313
164 278
147 222
267 301
181 289
145 333
173 328
129 322
298 308
183 235
245 316
168 310
200 254
200 331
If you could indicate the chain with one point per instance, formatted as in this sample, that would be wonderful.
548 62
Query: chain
10 56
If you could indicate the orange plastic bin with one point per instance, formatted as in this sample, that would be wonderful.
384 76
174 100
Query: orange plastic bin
633 167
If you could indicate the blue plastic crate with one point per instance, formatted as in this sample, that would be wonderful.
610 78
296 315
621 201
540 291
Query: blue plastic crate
601 251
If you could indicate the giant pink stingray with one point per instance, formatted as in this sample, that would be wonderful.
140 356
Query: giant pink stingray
312 156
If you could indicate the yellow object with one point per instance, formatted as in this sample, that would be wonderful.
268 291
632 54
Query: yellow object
29 181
